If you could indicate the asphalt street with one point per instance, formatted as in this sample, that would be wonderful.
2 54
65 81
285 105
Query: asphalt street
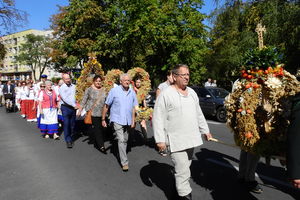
34 168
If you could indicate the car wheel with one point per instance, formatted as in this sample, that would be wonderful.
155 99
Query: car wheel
221 114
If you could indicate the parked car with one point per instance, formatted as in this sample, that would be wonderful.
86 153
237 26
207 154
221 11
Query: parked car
211 101
150 99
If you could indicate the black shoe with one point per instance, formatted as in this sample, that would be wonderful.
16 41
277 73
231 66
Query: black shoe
69 145
254 187
103 150
187 197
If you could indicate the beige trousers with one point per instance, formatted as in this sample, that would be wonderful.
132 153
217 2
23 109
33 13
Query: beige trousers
182 161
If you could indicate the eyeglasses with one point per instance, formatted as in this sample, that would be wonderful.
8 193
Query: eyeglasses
183 75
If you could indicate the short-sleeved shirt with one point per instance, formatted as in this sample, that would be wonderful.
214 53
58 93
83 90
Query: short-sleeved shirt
121 104
163 85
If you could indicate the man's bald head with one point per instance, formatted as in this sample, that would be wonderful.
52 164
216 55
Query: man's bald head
66 78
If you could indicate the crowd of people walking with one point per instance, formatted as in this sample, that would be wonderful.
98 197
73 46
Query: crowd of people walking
178 121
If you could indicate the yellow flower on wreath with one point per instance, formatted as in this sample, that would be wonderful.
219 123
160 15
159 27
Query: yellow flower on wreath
112 77
85 80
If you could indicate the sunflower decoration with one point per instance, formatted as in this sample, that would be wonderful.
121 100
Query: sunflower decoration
112 77
85 80
258 108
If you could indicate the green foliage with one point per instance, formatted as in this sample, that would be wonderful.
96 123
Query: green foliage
2 51
35 52
233 33
151 34
264 58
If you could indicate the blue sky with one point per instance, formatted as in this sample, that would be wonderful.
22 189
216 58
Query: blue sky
40 11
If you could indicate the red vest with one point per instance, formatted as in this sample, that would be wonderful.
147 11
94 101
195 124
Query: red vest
49 101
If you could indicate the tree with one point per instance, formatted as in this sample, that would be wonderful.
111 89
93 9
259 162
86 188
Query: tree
154 35
233 33
35 52
2 51
10 17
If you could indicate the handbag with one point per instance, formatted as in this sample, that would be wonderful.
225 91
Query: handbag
88 115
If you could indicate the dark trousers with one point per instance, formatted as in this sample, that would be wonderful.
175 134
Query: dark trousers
247 166
97 131
69 115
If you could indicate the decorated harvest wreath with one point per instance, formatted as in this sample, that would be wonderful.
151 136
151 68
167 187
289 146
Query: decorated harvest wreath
112 77
258 108
85 80
142 112
145 82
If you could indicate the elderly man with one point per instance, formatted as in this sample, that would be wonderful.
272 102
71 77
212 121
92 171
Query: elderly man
68 108
122 101
178 122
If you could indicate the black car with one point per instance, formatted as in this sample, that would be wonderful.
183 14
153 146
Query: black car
150 99
212 101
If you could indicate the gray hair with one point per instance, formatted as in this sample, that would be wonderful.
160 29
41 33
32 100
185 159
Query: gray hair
177 67
48 83
124 75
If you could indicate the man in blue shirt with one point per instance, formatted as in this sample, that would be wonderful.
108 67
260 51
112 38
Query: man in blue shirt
122 101
68 108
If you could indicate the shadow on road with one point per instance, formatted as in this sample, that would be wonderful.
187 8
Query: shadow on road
212 171
220 180
160 174
279 175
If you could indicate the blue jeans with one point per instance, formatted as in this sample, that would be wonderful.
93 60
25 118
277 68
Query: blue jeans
69 115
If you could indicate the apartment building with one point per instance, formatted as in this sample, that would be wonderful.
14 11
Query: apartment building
9 69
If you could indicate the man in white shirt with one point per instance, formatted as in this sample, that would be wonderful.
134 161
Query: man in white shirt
165 84
208 83
178 123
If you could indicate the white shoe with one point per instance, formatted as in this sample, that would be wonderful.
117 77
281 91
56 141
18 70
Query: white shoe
47 136
55 136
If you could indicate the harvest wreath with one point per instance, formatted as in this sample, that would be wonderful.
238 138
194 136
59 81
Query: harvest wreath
258 108
85 80
112 77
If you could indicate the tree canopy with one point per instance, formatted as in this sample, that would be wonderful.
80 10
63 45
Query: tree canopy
154 35
35 52
233 33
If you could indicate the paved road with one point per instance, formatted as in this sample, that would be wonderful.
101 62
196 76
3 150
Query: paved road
33 168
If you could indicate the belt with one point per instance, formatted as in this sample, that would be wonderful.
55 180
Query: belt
68 106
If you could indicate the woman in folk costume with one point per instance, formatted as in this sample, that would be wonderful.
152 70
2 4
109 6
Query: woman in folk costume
22 99
48 100
30 106
36 103
17 92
